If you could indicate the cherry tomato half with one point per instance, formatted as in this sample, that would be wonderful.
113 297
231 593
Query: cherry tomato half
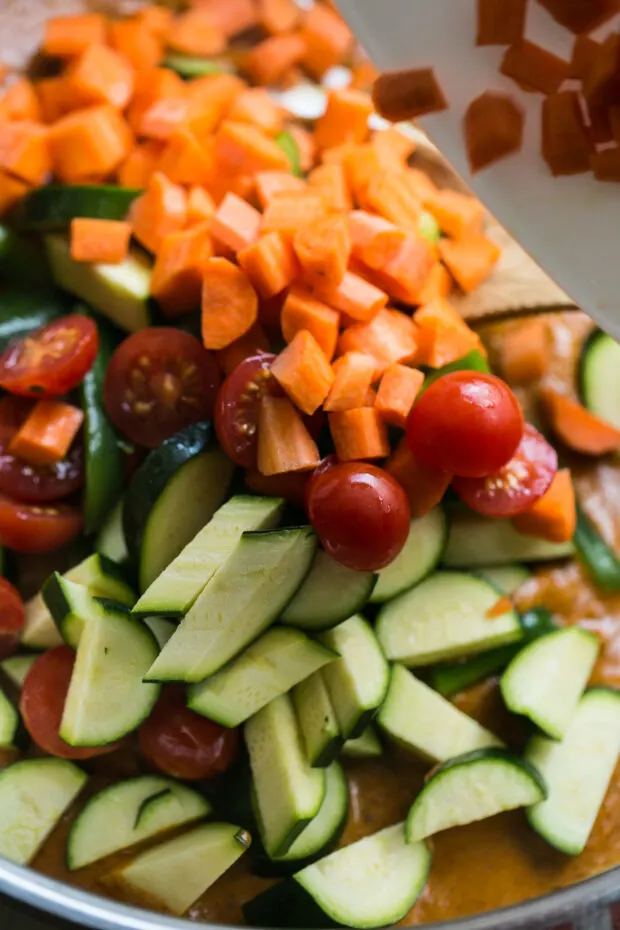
43 702
51 361
519 484
467 423
37 528
183 744
361 515
40 484
158 381
236 410
12 618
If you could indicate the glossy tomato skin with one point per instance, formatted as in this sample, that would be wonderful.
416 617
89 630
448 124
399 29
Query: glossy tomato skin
518 485
183 744
12 618
236 409
361 515
159 380
37 527
41 484
51 361
42 704
326 463
466 423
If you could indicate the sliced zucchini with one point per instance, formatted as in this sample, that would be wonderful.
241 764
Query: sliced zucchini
161 628
34 794
9 721
17 667
110 540
366 746
289 146
444 617
357 682
428 227
546 679
422 721
107 697
507 578
420 556
475 542
129 812
52 207
271 666
599 375
176 873
317 720
287 791
577 770
72 605
596 555
175 590
120 292
329 595
24 309
473 787
244 598
192 66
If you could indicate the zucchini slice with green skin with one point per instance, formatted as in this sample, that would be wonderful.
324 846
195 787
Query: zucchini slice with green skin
357 682
577 770
425 723
129 812
36 793
547 678
473 787
9 721
507 578
287 791
599 376
596 556
269 667
420 555
72 604
250 590
176 873
15 668
192 66
330 594
52 207
476 542
24 309
317 720
161 628
107 696
366 746
110 540
444 617
174 591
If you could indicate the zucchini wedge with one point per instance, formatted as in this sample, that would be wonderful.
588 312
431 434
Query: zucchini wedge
317 720
9 721
599 376
329 595
476 542
420 555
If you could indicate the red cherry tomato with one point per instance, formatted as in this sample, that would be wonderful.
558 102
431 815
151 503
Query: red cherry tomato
236 410
51 361
360 514
324 465
183 744
158 381
466 423
37 528
516 486
12 618
41 484
43 702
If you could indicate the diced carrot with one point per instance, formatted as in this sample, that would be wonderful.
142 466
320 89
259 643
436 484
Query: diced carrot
443 335
153 85
24 150
185 160
101 75
408 94
357 298
389 195
404 267
270 264
331 181
163 118
566 145
215 92
229 182
327 38
255 106
65 36
323 248
391 336
270 183
253 342
134 40
525 352
105 241
600 124
54 98
284 443
534 67
230 17
501 606
47 434
457 214
304 372
194 33
470 260
138 167
363 75
493 129
306 145
601 83
424 486
89 143
158 212
179 267
359 434
235 223
576 426
287 212
345 118
397 392
554 515
361 164
20 101
353 375
581 15
393 147
200 206
247 150
585 52
437 286
157 19
303 311
229 304
277 16
421 185
267 62
11 192
500 22
606 164
372 237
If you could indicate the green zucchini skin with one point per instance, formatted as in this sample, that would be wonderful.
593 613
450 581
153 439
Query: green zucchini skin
52 208
23 260
596 556
26 309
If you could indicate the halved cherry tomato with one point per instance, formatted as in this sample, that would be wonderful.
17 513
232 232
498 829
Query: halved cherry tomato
40 484
37 528
236 410
361 515
158 381
466 423
51 361
519 484
183 744
12 618
290 485
43 702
